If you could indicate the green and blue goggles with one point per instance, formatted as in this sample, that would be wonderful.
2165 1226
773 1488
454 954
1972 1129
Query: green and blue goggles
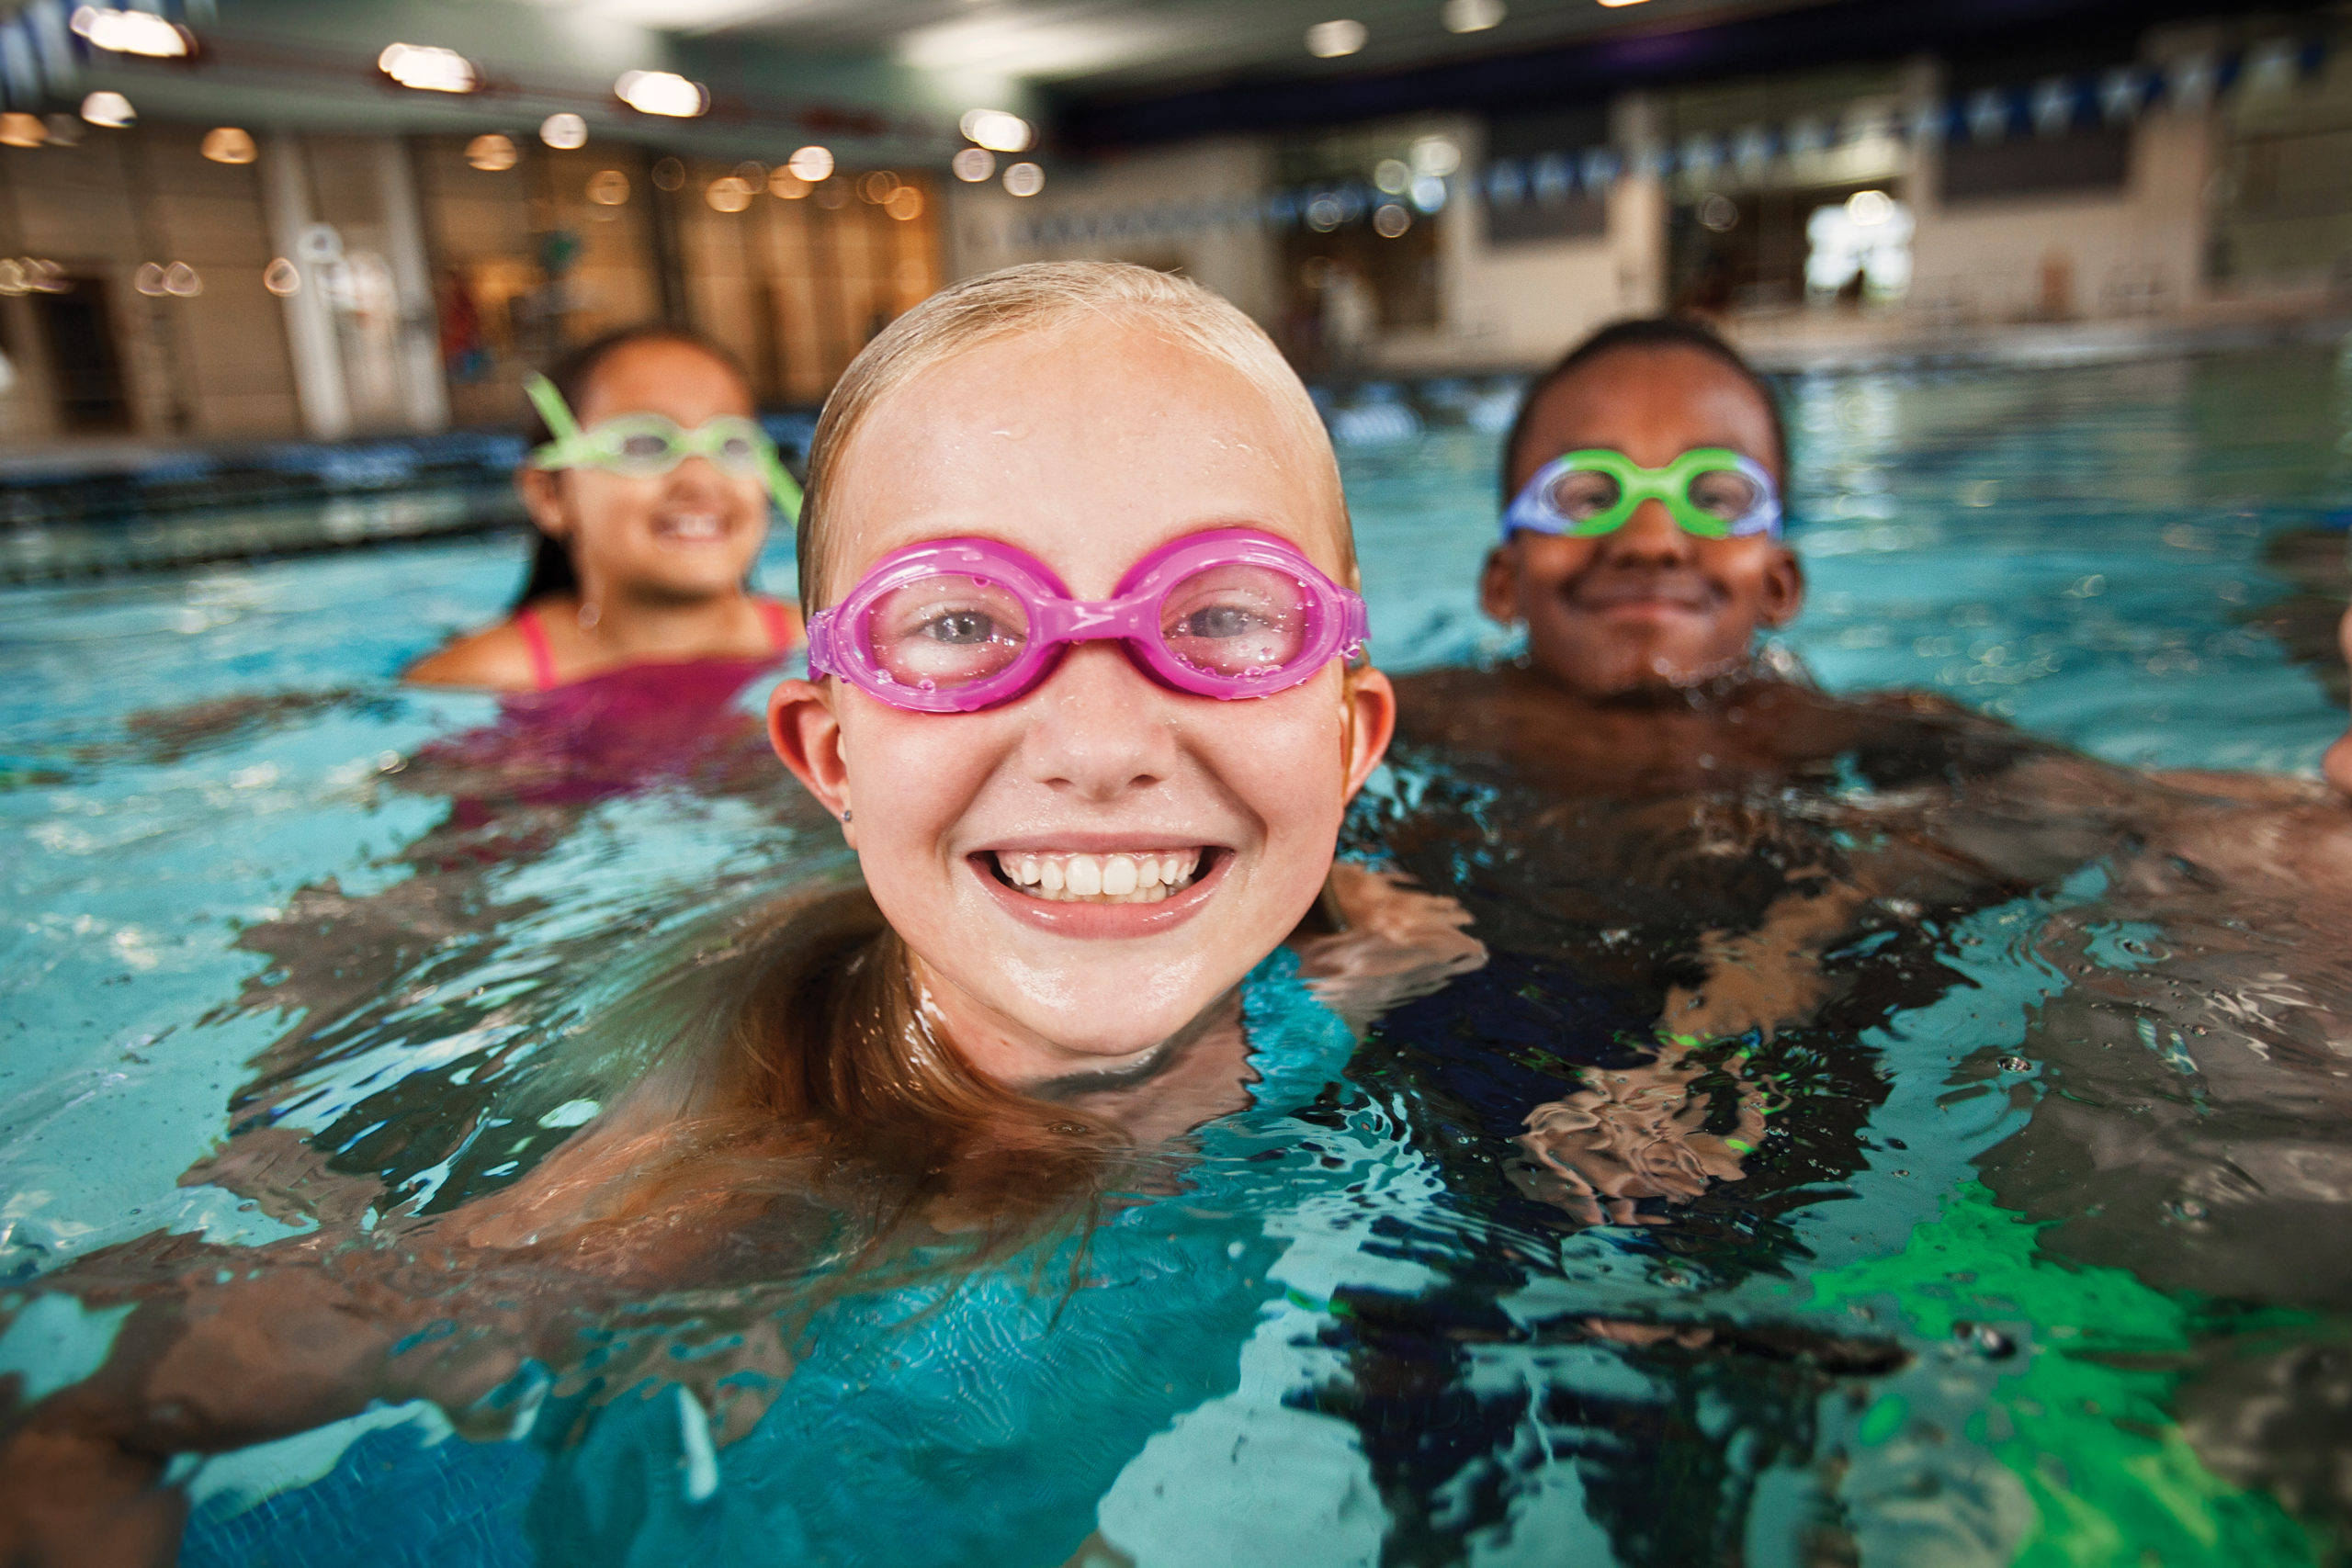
646 445
1709 492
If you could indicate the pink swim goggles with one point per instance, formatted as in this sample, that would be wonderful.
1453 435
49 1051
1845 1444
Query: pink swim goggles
957 625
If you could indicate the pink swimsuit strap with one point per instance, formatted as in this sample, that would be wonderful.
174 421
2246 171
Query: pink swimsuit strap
535 637
776 617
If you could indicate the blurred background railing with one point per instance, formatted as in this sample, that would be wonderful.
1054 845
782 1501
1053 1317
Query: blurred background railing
230 224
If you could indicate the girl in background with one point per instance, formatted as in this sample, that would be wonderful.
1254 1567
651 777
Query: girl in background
650 488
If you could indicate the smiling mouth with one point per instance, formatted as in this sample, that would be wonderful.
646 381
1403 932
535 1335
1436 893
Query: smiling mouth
690 527
1135 877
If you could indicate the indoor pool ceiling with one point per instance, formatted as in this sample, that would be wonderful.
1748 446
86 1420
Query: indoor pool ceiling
1120 44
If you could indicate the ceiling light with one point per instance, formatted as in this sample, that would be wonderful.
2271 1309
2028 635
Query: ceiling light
608 187
997 131
786 185
668 174
729 193
427 69
1436 156
1391 175
133 32
1024 179
1330 40
281 277
110 109
564 132
1471 15
661 93
22 131
1615 4
973 164
227 144
811 164
905 204
492 153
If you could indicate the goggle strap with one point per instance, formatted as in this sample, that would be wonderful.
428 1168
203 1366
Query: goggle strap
556 413
781 484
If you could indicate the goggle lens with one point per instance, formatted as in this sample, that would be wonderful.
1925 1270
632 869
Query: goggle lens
939 633
1724 493
1239 621
1583 494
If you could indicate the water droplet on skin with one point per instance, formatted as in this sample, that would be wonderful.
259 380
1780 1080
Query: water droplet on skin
2016 1064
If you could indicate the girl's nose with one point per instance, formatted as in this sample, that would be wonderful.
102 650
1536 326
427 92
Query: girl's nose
1100 728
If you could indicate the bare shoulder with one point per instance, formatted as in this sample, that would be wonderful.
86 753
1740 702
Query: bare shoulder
496 657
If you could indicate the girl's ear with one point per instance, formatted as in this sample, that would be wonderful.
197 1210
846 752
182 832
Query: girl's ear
1784 588
542 496
1371 719
1498 586
802 729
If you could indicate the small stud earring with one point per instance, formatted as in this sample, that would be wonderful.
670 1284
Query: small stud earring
845 816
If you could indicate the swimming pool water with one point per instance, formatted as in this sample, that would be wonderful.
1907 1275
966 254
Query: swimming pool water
253 885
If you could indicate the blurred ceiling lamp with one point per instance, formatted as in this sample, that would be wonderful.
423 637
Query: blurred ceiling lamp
753 172
1471 15
1391 220
905 204
811 164
1391 175
428 68
565 133
1613 4
1024 179
133 32
662 93
22 131
492 153
608 187
1330 40
149 280
786 185
729 193
973 164
227 144
181 282
1438 155
997 131
280 278
875 188
668 174
110 109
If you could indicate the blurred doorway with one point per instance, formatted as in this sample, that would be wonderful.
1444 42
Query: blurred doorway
77 337
1746 251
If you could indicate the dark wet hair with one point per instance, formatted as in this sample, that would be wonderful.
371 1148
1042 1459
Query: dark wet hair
1648 331
551 568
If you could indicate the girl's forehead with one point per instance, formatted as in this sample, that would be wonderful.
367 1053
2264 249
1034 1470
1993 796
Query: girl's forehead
665 376
1087 447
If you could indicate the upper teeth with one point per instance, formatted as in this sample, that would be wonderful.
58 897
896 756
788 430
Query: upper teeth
695 524
1144 877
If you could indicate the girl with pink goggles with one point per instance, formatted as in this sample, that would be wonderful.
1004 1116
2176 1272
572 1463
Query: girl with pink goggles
952 626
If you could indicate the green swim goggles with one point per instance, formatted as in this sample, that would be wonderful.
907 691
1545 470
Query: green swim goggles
646 445
1711 491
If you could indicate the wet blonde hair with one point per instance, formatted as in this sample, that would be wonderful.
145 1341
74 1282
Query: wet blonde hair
1043 296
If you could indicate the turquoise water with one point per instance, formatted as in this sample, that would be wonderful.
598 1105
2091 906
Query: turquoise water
247 892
